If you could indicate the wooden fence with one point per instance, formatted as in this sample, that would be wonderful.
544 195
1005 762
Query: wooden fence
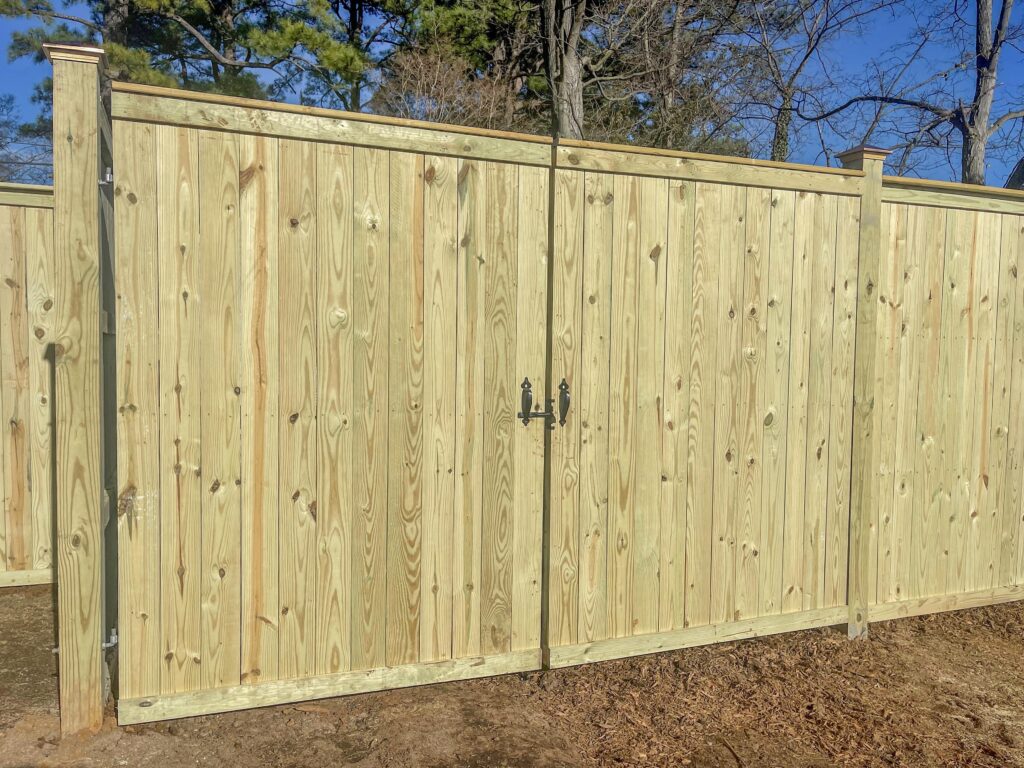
26 446
950 399
399 403
705 479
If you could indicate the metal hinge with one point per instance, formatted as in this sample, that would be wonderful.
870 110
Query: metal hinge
108 177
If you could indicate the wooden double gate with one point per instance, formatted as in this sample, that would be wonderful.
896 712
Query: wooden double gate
324 341
399 403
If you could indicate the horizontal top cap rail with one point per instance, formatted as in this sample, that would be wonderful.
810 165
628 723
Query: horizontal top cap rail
26 195
947 194
171 106
744 171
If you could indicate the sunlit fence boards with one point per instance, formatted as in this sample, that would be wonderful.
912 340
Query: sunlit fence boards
948 524
26 402
321 472
780 397
707 331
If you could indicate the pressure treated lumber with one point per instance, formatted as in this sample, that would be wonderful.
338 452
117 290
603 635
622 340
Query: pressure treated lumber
866 429
77 125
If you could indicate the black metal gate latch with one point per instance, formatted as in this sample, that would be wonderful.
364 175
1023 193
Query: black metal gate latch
526 402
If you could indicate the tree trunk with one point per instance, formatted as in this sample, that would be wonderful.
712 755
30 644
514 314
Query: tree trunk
568 101
783 121
561 27
972 164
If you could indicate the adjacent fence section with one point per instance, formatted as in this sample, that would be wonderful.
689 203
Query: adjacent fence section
701 487
323 485
26 401
950 394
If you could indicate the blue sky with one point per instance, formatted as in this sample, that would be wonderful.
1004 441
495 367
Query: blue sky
848 56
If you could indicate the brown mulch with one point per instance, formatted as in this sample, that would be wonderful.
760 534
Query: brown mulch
944 690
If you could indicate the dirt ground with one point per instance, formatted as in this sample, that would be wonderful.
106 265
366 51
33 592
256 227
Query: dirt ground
937 691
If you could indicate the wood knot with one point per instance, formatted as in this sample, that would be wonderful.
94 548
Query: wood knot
429 175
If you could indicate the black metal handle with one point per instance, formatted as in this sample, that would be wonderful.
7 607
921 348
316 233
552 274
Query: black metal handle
526 401
527 413
564 400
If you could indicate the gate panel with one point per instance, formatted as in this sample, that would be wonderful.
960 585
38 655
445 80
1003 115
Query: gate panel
703 478
342 497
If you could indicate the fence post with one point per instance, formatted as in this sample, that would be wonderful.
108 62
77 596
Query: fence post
863 486
79 125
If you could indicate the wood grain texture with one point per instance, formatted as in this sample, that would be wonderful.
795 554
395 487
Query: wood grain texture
335 404
40 289
652 259
260 384
138 435
703 388
500 395
472 207
531 348
678 320
592 392
14 381
753 391
622 406
441 288
181 297
563 553
405 414
219 260
370 388
726 473
776 417
296 425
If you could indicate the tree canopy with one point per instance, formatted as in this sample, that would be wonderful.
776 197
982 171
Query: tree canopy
745 77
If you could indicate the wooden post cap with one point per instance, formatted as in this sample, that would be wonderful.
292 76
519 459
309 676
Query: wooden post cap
85 54
862 152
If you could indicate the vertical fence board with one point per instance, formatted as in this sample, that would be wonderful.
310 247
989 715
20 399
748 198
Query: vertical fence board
180 405
370 371
531 347
335 483
703 386
297 438
473 204
14 381
39 293
844 326
219 258
622 406
138 352
259 274
650 366
678 319
405 417
592 398
500 394
753 393
819 390
1002 382
799 373
929 574
776 417
440 254
727 415
564 499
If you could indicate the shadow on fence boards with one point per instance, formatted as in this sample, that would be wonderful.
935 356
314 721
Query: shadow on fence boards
372 403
